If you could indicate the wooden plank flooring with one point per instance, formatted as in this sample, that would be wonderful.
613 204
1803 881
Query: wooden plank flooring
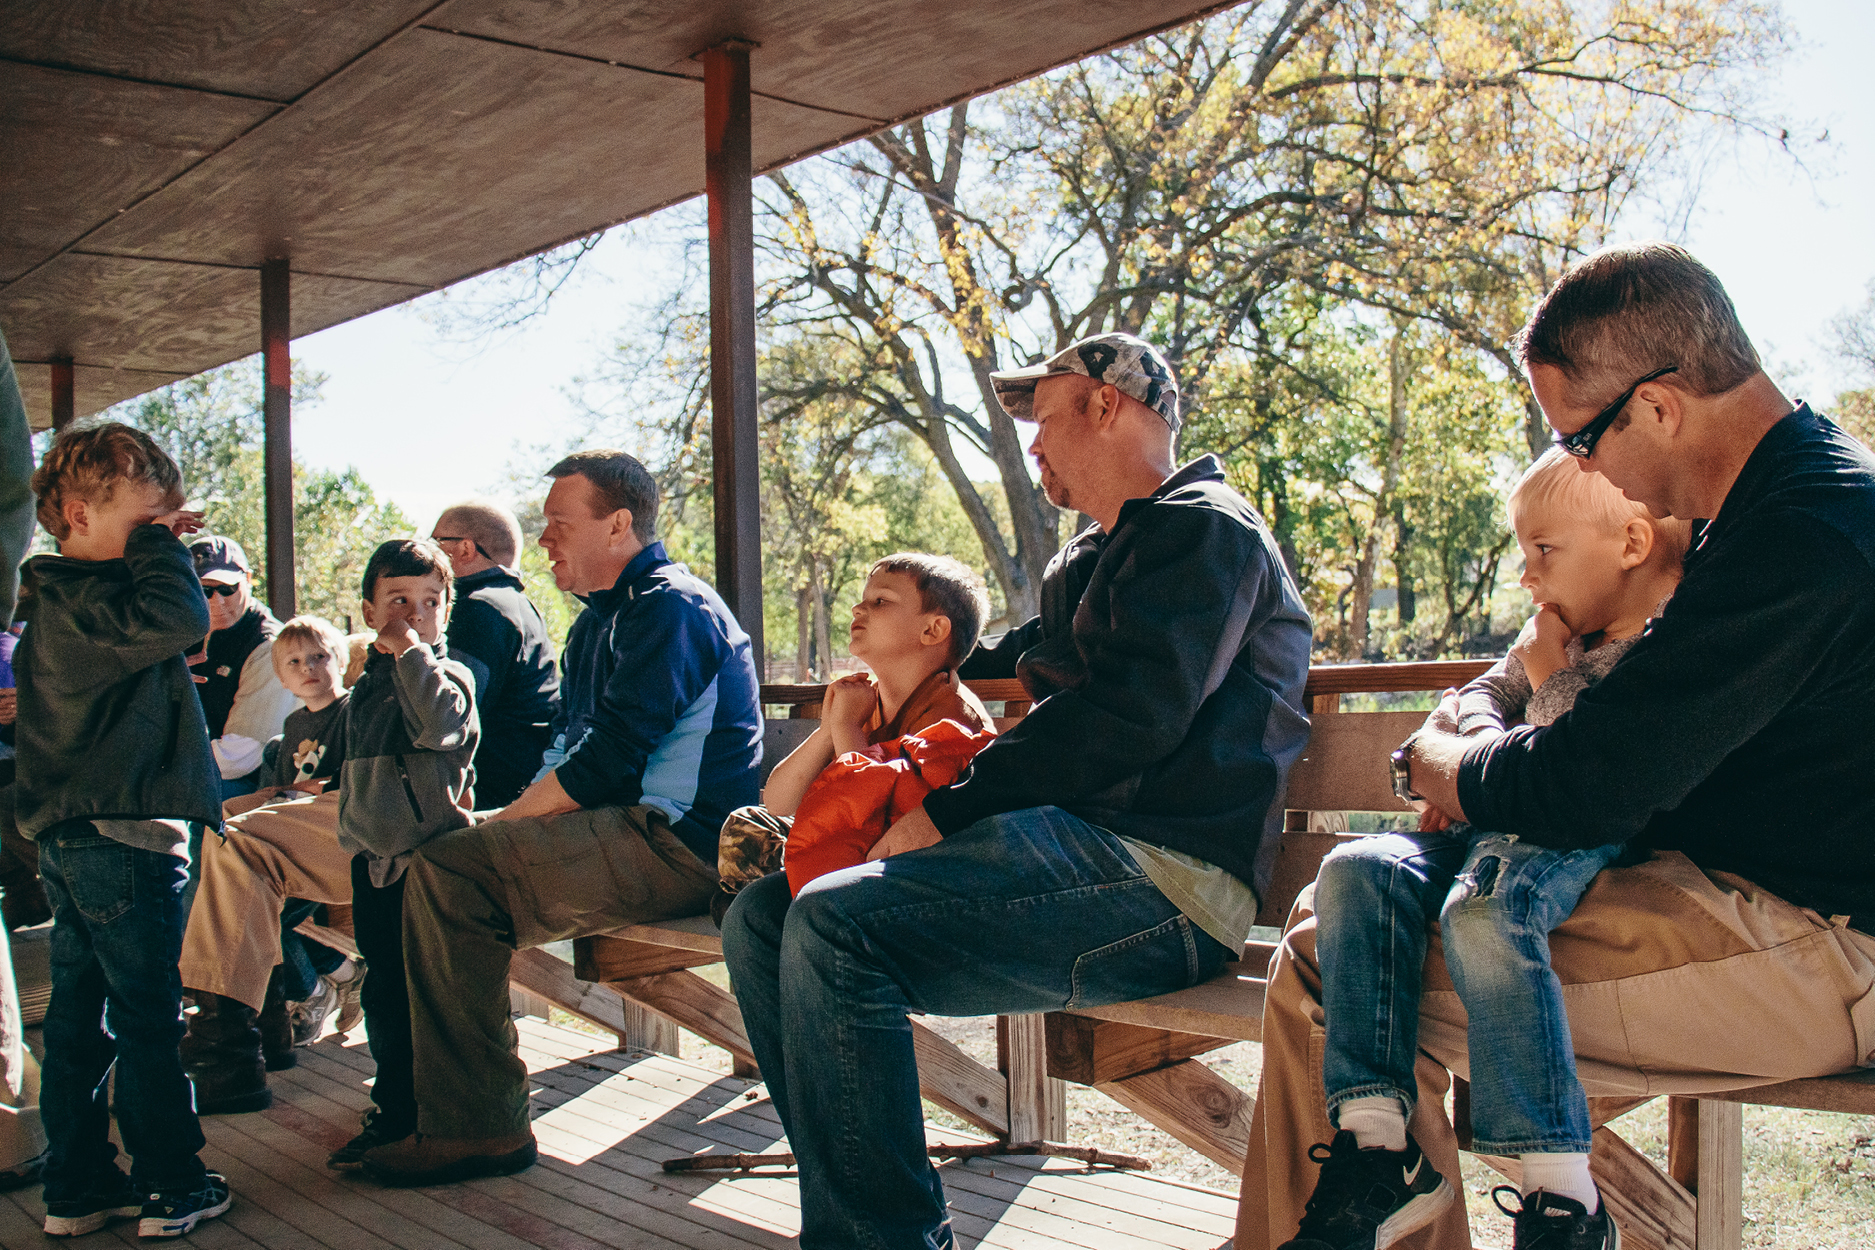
606 1121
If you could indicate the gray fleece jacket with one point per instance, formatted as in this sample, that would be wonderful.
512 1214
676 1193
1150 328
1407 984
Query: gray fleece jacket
410 736
1501 696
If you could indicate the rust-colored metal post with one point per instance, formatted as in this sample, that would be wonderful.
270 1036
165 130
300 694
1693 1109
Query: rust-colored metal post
64 392
729 173
276 331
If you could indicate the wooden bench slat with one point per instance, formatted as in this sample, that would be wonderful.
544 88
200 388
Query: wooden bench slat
1344 766
1229 1005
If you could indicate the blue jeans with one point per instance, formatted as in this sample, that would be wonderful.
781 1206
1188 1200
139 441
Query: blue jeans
116 1000
1029 911
1495 899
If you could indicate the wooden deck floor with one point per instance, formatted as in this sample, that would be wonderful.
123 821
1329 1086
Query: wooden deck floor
605 1122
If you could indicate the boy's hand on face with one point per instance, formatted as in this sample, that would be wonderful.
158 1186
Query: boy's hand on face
180 522
396 637
1544 651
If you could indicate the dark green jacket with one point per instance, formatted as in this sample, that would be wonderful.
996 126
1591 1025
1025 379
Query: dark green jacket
109 725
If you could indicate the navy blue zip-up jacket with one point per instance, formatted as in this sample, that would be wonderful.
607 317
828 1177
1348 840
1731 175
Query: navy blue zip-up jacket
659 702
1737 729
1169 660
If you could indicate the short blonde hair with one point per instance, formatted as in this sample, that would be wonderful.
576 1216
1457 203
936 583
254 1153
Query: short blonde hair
90 462
1557 481
316 630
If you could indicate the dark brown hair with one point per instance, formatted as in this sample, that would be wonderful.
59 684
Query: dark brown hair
408 557
618 481
948 587
1623 312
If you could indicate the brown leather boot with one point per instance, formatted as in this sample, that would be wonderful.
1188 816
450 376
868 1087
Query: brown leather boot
221 1054
420 1159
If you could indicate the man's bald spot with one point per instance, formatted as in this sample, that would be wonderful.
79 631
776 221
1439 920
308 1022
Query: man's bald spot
486 523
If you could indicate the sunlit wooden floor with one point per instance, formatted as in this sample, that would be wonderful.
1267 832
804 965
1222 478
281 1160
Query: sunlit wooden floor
606 1121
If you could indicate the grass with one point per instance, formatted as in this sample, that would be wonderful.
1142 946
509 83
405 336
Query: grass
1809 1175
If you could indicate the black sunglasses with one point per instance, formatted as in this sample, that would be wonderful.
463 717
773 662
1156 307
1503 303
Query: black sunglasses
1582 442
226 588
463 538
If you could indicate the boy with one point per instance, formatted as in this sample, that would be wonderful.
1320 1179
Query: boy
410 736
309 656
114 767
1598 566
243 963
917 618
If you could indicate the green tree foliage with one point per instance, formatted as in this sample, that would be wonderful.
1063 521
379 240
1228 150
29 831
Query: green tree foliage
1332 216
212 425
1854 341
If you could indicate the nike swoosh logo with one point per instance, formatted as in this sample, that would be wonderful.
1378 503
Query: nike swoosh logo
1414 1174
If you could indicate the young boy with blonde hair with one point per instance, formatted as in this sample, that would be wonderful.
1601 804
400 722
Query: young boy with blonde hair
1597 566
917 617
114 767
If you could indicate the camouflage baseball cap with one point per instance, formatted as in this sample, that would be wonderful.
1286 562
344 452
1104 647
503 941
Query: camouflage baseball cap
1130 364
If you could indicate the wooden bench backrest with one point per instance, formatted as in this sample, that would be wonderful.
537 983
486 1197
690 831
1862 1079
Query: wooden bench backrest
1344 767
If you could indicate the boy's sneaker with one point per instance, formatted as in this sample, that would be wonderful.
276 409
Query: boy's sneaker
1546 1221
175 1213
351 998
308 1016
1368 1199
107 1201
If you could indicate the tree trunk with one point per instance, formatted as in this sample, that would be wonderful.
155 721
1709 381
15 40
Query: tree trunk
803 635
1402 568
823 627
1399 372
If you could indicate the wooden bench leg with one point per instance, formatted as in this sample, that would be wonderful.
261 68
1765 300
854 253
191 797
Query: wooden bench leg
1706 1153
1038 1103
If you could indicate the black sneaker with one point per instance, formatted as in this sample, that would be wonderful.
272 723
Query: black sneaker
351 1156
1368 1199
1546 1221
174 1213
108 1200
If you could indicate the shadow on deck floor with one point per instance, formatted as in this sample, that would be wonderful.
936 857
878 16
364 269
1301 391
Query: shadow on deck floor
606 1121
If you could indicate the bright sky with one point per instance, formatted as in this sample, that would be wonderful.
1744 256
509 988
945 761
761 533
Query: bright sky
428 421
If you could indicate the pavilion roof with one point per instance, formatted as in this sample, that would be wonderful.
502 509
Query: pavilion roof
157 153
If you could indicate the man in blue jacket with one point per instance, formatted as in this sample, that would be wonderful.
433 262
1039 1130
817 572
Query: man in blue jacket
1108 847
656 742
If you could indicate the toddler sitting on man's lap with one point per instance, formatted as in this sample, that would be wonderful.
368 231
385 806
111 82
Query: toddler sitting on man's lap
1598 567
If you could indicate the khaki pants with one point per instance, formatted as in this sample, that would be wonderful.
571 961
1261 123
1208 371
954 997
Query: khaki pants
474 897
271 854
1675 981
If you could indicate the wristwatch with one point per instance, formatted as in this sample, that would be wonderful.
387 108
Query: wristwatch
1400 766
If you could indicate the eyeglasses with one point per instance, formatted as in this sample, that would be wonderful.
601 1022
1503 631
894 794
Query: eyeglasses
462 538
226 588
1582 442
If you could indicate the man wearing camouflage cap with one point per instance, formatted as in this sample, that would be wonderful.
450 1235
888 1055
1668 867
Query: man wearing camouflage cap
1109 846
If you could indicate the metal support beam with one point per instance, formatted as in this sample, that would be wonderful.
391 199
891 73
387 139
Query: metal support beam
64 392
276 330
729 181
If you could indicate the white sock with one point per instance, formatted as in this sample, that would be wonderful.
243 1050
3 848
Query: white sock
343 973
1378 1123
1566 1175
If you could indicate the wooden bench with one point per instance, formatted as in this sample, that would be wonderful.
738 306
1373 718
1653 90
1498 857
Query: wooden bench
641 983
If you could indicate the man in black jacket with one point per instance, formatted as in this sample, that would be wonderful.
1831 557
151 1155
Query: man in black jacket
498 633
1106 848
1730 745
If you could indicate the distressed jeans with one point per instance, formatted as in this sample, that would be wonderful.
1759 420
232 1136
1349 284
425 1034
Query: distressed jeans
1496 899
1034 910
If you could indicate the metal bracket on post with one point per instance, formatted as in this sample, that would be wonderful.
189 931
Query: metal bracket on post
729 174
64 392
276 332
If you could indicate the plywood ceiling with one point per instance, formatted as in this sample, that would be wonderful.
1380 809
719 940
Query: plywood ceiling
156 153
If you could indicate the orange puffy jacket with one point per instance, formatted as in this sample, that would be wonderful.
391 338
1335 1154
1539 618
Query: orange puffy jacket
858 796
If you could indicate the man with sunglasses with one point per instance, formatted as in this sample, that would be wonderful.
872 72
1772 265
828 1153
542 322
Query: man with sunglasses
1729 747
242 697
496 630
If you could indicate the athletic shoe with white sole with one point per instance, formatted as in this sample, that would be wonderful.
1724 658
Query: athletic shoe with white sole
176 1212
107 1201
1369 1199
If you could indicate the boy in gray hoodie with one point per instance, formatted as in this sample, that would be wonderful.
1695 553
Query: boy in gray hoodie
410 733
